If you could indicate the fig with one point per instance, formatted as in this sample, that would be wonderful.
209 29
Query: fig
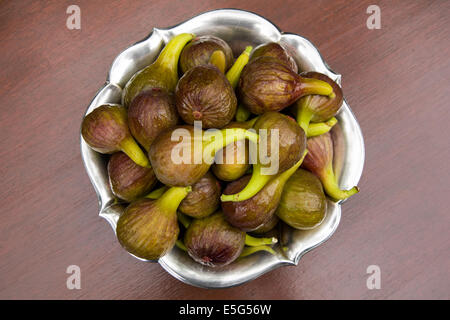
204 94
232 162
105 130
269 225
282 133
318 128
199 51
213 242
303 204
204 199
148 228
128 180
317 108
266 84
319 161
182 155
151 112
278 51
163 73
251 214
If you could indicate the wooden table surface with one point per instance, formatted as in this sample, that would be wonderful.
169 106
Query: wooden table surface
396 80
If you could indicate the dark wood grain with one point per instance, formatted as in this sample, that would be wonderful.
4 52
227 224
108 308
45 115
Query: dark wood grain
396 79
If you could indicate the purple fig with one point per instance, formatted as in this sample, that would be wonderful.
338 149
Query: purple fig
151 112
268 85
105 130
204 94
278 51
319 161
128 180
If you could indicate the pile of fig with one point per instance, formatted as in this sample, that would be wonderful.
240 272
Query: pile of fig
206 148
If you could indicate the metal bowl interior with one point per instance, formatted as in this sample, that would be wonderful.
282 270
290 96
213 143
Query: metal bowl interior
239 28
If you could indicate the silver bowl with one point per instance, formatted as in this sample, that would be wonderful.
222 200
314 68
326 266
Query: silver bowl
239 28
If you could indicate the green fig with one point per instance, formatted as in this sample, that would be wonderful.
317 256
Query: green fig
282 133
268 85
199 51
204 199
204 94
303 204
163 73
128 180
151 112
319 161
213 242
182 155
251 214
105 130
317 108
148 228
278 51
232 162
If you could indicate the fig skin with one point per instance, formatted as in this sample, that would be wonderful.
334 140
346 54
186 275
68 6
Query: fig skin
204 94
303 203
105 130
268 226
128 180
199 50
253 213
185 174
149 228
319 161
204 199
163 73
151 112
317 108
266 84
213 242
277 51
291 147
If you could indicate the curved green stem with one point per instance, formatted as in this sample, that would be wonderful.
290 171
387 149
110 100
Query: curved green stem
316 129
131 148
234 73
218 60
155 194
311 86
170 200
250 250
170 53
224 138
304 114
254 242
180 245
332 188
185 221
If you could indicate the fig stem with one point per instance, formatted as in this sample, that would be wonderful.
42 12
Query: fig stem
171 52
258 181
311 86
254 242
218 60
316 129
180 245
242 113
332 188
304 114
131 148
229 135
250 250
155 194
170 200
234 73
185 221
